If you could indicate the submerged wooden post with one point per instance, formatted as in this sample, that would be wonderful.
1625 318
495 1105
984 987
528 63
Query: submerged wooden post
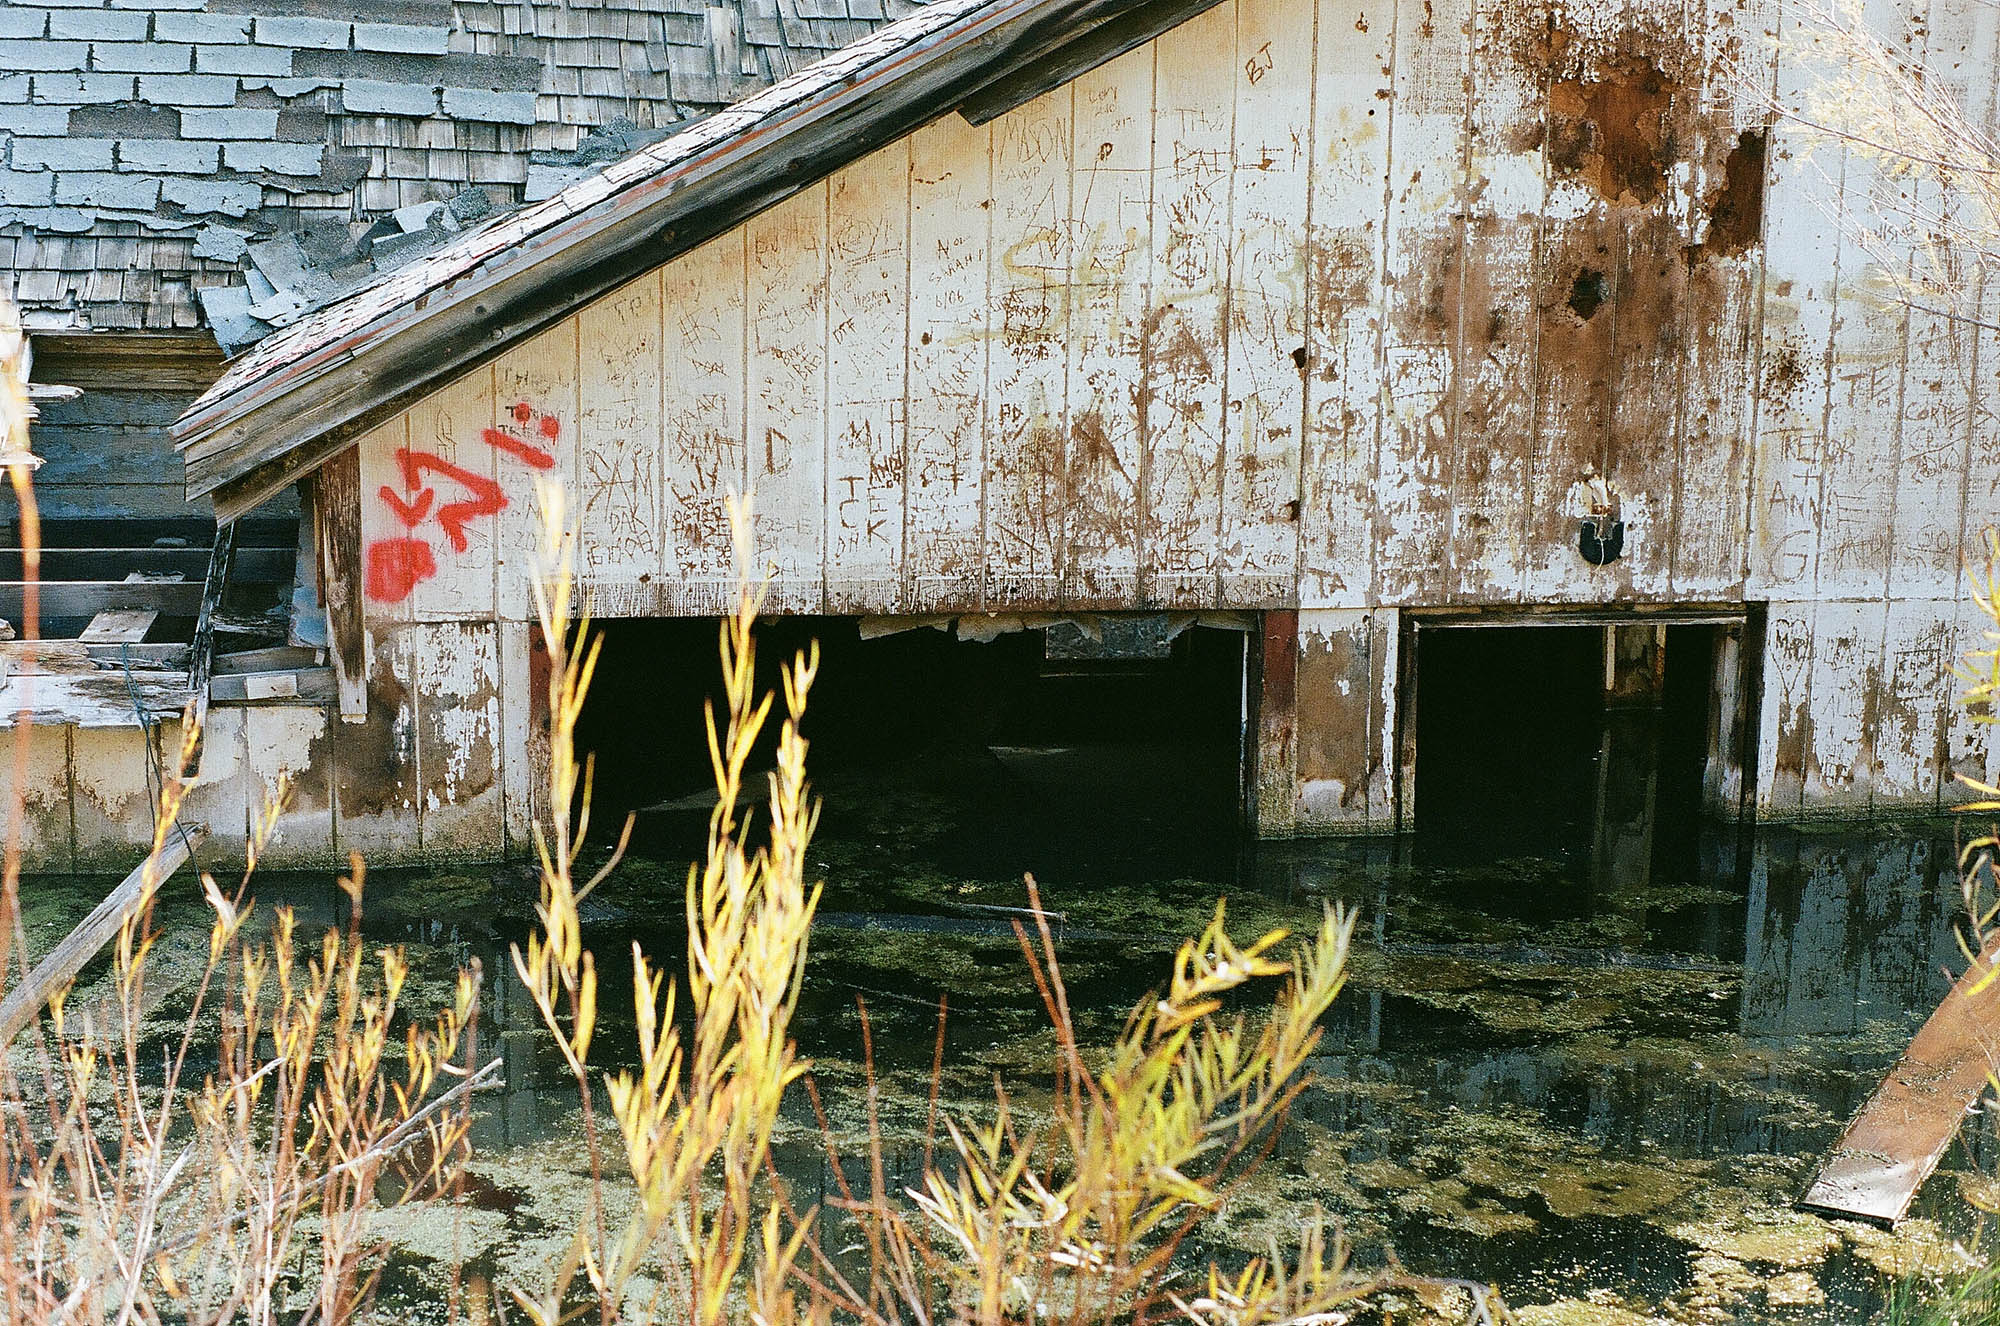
1899 1136
25 1000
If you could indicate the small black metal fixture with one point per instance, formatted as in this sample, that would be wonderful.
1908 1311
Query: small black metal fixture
1600 534
1600 542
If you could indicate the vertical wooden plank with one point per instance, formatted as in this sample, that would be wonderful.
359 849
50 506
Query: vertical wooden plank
705 456
1111 149
1193 136
524 738
1784 717
458 735
377 786
1858 474
1970 746
1723 774
1336 754
1943 387
1027 381
868 268
1267 354
1908 714
1385 681
461 482
1413 460
1840 758
292 744
1353 117
621 550
336 527
1710 552
1801 276
951 166
787 396
226 793
1492 311
1866 366
1277 764
535 400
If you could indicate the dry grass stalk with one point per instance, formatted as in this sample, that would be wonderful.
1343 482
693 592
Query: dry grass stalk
696 1119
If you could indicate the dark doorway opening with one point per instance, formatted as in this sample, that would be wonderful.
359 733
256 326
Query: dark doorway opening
1039 754
1507 738
1584 745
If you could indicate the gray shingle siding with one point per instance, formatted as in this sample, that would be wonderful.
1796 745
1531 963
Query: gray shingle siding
130 128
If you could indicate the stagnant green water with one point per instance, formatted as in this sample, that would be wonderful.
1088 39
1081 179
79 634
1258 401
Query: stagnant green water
1600 1098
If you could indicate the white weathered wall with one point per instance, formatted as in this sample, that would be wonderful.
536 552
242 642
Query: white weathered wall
1321 306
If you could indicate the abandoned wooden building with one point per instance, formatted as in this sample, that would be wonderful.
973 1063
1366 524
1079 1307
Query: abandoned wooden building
180 177
1348 327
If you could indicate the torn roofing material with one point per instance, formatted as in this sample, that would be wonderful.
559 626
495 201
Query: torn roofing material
145 146
301 394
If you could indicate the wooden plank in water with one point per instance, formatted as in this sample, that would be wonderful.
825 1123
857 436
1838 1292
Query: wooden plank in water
93 932
1892 1146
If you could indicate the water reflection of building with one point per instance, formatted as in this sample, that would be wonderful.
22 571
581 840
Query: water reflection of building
1845 929
1845 943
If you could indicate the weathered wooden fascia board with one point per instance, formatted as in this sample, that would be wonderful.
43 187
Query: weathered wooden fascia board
243 448
114 361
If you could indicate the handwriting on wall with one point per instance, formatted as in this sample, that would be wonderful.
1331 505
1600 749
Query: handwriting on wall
396 566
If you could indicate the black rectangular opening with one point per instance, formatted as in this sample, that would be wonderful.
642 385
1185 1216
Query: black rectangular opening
1075 754
1585 744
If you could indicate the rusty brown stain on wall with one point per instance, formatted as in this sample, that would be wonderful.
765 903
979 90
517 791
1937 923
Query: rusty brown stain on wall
1736 212
1340 275
310 784
1784 372
377 755
1612 128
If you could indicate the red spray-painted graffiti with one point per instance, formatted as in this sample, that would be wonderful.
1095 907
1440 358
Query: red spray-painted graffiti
396 566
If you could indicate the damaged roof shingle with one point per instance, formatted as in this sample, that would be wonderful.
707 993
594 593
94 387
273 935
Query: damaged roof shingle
160 157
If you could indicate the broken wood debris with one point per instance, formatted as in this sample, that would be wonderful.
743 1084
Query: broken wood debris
315 685
119 626
201 656
1899 1136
